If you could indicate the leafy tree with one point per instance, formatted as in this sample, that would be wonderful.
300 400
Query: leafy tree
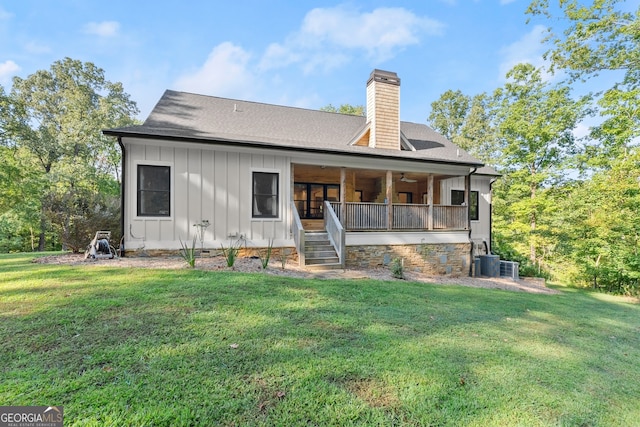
466 121
534 124
55 118
603 36
448 114
354 110
600 223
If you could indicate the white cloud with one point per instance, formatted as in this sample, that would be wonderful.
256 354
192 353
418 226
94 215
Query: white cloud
528 49
102 29
224 73
8 69
503 2
329 36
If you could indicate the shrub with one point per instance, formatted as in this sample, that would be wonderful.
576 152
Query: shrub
231 253
266 256
397 268
188 254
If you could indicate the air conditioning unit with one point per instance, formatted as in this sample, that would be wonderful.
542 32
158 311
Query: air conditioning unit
510 269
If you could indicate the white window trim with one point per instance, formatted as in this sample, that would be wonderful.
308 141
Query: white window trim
134 197
280 194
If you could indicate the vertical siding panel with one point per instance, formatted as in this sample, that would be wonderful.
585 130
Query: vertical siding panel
152 153
167 227
220 225
243 175
208 194
181 198
194 165
233 193
167 154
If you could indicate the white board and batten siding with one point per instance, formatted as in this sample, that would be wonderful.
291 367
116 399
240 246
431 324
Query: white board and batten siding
206 184
480 229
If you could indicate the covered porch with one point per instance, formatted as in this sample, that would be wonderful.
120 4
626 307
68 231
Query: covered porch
374 200
340 201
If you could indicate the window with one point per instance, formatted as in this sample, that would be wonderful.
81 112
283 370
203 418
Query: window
309 198
265 195
154 190
457 198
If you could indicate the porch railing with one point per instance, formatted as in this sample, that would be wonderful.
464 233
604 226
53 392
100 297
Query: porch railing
450 217
335 231
375 216
298 234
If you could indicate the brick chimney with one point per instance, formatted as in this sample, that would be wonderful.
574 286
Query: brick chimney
383 109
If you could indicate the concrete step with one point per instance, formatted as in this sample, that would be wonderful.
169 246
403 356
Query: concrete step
322 261
325 253
315 236
323 267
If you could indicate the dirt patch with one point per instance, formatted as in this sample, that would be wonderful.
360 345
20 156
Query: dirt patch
252 265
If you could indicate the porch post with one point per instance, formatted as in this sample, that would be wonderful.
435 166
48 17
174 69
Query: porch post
389 200
430 201
343 196
467 198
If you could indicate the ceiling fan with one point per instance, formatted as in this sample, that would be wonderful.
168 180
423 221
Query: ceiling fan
405 179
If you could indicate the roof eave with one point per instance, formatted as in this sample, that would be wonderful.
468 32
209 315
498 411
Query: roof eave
121 132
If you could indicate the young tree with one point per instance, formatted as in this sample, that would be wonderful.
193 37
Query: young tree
534 124
56 116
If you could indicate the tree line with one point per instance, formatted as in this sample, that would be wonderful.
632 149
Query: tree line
565 207
59 174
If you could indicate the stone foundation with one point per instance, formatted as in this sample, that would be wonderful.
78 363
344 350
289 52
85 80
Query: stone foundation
451 259
276 253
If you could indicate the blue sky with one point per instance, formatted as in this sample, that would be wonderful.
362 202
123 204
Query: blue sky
298 53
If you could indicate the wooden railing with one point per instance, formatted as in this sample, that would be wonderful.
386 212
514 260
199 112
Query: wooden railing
410 217
298 234
450 217
335 231
375 216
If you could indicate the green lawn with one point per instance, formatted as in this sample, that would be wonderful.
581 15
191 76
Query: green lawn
155 347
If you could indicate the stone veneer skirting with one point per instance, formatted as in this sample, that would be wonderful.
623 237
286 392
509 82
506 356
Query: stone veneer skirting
451 259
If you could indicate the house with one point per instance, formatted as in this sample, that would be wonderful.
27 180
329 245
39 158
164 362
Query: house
331 188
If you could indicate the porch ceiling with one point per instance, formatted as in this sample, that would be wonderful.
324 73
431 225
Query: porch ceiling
304 171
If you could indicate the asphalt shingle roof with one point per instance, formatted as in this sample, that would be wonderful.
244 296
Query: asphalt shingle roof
192 117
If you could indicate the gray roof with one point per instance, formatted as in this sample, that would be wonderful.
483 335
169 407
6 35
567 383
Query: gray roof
190 117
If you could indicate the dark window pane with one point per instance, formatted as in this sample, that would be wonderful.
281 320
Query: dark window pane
457 198
154 190
265 195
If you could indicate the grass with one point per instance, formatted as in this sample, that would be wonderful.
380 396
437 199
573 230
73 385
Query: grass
155 347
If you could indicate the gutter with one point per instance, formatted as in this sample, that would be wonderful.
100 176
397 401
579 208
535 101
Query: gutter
266 145
468 186
122 195
491 216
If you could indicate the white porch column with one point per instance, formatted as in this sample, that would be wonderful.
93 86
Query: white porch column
343 196
467 198
389 200
430 201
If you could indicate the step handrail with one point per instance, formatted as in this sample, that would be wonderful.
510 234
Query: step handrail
298 234
335 232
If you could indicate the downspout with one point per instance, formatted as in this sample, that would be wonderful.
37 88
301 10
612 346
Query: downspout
490 251
122 198
469 218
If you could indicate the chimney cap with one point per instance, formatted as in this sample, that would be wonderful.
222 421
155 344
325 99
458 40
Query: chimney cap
383 76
